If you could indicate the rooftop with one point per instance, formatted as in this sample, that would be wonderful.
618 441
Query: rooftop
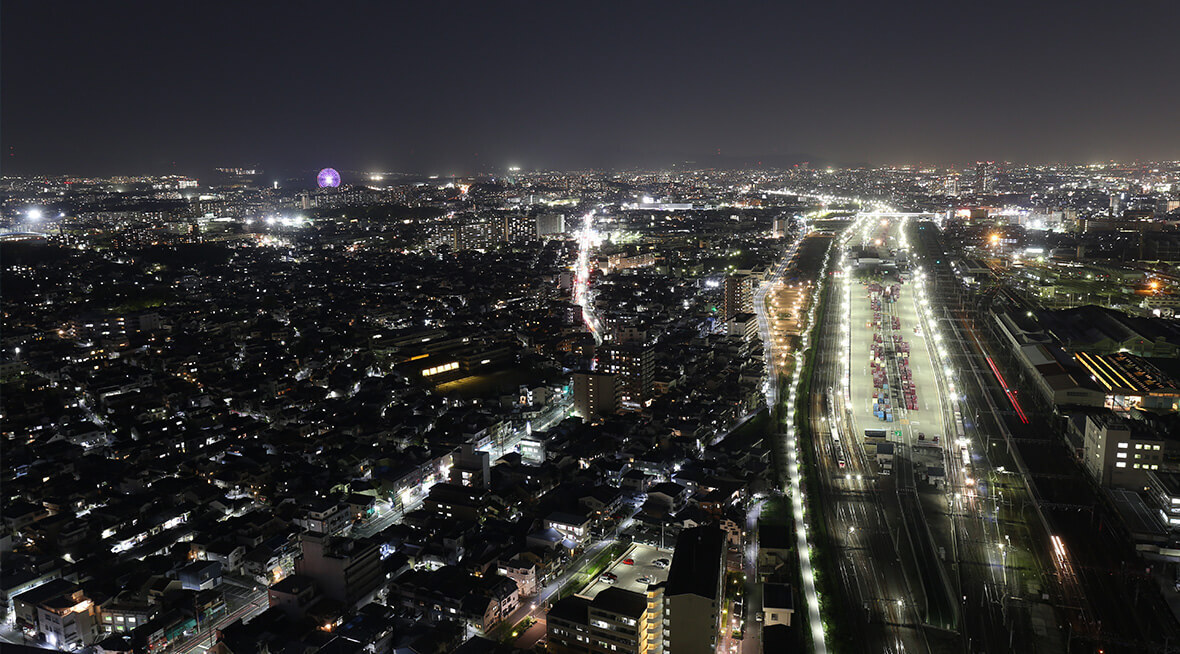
1128 374
621 602
777 596
697 562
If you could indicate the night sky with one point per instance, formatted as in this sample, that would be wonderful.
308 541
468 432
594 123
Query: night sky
462 87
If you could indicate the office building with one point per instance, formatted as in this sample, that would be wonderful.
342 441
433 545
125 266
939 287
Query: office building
1119 453
1163 493
950 186
985 176
532 450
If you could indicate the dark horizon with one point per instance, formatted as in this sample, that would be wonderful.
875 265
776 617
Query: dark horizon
459 88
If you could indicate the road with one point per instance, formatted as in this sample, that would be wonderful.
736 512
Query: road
245 612
787 444
538 605
582 271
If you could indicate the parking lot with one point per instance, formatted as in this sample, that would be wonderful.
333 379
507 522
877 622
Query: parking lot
642 567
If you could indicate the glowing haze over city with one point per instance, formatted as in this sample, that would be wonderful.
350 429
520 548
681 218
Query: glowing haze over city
652 328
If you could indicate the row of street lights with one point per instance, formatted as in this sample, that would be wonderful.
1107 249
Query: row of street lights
926 313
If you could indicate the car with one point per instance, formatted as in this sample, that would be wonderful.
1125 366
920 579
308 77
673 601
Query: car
921 436
644 579
661 563
628 561
758 617
608 578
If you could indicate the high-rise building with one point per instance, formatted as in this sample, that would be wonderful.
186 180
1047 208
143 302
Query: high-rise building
1116 203
615 621
518 227
634 363
692 595
596 393
985 176
347 570
550 224
480 235
737 296
781 226
951 185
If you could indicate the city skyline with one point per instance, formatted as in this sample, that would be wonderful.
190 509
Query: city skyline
599 328
464 88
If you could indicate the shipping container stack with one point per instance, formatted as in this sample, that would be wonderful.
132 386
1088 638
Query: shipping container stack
882 406
888 348
899 350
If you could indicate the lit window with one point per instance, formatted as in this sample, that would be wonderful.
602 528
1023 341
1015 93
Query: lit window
1121 464
1136 466
1123 445
1138 446
1122 455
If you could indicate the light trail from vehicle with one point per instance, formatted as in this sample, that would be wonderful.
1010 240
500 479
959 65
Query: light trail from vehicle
1008 392
586 238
